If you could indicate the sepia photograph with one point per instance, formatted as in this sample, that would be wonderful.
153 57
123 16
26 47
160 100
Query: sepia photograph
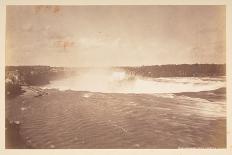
115 77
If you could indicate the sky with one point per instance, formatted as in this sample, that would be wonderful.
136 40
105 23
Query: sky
114 35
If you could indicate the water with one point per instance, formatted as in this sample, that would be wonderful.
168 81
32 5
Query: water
113 110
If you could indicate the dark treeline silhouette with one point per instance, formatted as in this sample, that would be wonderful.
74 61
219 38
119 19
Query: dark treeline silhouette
183 70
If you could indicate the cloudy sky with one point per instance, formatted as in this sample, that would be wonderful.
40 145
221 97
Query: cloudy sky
114 35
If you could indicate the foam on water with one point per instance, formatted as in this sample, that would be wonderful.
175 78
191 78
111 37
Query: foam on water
120 82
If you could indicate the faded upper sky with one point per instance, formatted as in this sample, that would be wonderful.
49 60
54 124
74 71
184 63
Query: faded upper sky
114 35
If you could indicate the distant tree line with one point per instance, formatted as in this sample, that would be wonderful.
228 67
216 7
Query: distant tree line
17 76
183 70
